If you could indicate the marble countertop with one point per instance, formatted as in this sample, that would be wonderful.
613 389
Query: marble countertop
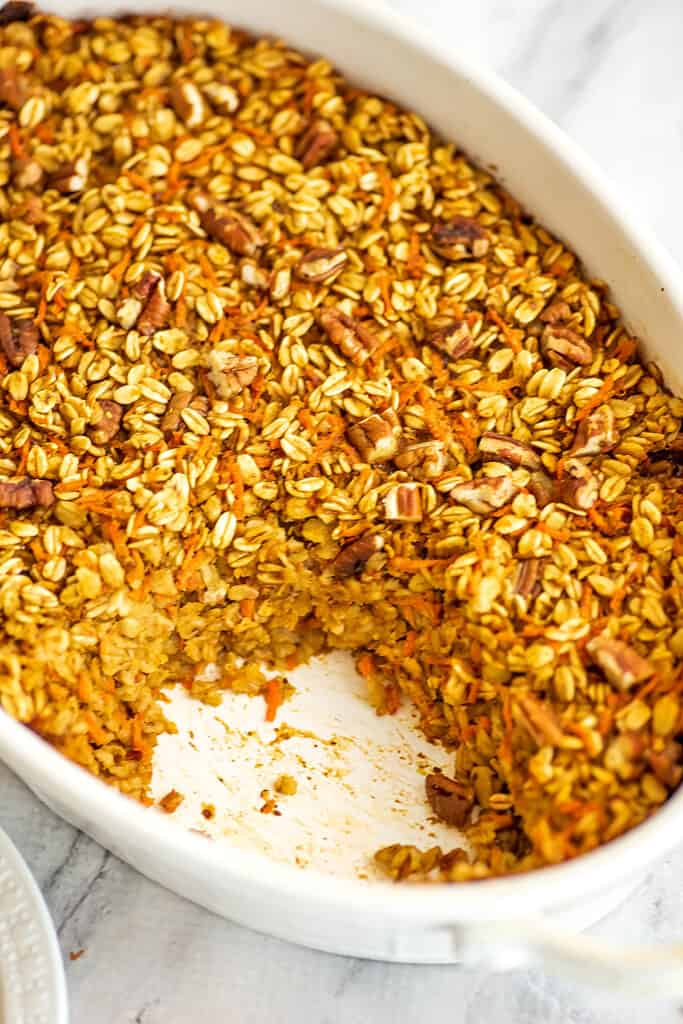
610 73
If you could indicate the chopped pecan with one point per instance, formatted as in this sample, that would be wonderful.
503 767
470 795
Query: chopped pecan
403 503
426 458
578 487
451 801
151 293
485 494
353 556
230 374
317 144
527 578
597 433
321 264
187 102
14 89
539 720
621 664
542 487
26 173
501 448
107 421
565 348
71 176
227 225
171 418
454 339
18 339
665 460
555 313
376 437
16 10
356 339
666 764
459 238
30 210
28 493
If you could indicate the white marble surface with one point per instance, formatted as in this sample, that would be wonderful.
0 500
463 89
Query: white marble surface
611 73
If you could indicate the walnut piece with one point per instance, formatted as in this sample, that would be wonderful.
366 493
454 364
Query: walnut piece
230 374
353 556
564 348
501 448
459 238
14 89
454 339
403 503
18 339
28 493
107 421
485 494
426 459
227 225
597 433
356 339
318 265
187 102
578 487
376 437
317 144
621 664
70 177
451 801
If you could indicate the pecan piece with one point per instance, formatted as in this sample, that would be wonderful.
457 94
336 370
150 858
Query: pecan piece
565 348
665 460
228 226
454 339
427 458
376 437
459 238
151 293
597 433
171 418
527 578
321 264
356 339
230 374
71 176
353 556
451 801
187 102
18 339
539 720
317 144
501 448
16 10
29 493
620 663
14 89
107 421
666 765
542 487
555 313
578 487
485 494
26 173
403 503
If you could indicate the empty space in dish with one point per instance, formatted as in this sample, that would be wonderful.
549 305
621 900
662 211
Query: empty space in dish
360 776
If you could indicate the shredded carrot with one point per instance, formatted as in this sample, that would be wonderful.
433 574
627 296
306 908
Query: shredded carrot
409 643
274 697
74 268
208 271
382 349
407 392
604 392
625 349
42 302
247 607
15 143
384 292
414 564
217 332
119 269
388 195
366 665
508 332
466 433
136 575
24 450
414 264
96 732
328 441
142 183
432 415
233 472
306 420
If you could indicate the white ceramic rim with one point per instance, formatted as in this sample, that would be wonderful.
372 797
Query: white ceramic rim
498 898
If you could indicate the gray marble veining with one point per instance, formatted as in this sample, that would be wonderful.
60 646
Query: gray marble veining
610 72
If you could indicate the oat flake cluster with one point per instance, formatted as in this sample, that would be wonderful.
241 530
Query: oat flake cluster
281 371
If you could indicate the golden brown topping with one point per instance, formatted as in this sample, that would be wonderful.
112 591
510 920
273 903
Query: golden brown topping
403 503
501 448
459 238
227 225
106 421
16 10
427 459
556 312
451 801
71 176
317 144
578 486
597 433
527 578
564 348
18 339
353 557
187 102
539 720
14 89
485 494
27 493
171 418
376 437
622 665
321 264
230 374
356 339
454 339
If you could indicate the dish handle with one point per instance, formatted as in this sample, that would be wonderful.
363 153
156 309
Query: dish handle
646 971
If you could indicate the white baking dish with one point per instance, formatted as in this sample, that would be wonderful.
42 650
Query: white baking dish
508 920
